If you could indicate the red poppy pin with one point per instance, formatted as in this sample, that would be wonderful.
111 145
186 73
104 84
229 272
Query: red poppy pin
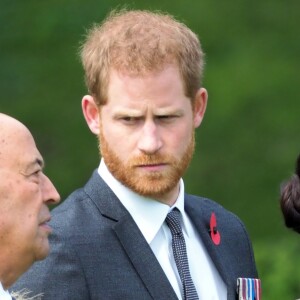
214 233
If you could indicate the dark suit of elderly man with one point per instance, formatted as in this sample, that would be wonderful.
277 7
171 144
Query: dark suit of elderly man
113 238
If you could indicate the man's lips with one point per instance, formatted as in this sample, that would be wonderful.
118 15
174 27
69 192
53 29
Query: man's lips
45 220
152 167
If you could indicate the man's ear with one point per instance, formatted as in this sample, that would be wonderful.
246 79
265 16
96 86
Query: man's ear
91 113
200 106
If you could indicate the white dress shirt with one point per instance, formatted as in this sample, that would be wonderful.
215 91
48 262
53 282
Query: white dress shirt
4 295
150 215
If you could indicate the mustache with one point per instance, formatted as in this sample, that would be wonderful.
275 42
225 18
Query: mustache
152 159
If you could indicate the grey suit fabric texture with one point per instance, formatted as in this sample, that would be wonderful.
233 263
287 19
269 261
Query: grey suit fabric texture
98 252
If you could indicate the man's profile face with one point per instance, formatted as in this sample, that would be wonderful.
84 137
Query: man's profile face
147 131
25 193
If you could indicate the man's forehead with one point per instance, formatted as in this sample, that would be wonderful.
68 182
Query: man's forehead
17 146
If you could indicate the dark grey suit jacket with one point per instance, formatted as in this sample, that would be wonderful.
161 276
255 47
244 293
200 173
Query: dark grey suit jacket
98 252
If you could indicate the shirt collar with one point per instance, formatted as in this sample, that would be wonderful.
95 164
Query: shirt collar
4 295
148 214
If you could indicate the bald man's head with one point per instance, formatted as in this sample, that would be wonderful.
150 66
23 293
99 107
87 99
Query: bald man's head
25 192
12 132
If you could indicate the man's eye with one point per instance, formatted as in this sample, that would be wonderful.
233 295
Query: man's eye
127 119
166 118
130 120
36 173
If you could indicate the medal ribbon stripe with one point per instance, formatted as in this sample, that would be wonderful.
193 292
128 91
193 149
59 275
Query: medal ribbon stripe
249 289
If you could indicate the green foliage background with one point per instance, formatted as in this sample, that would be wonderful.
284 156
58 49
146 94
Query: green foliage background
248 142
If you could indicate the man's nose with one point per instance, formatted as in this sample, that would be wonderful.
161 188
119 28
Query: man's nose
50 194
150 140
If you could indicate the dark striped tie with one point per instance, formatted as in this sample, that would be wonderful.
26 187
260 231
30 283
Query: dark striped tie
180 255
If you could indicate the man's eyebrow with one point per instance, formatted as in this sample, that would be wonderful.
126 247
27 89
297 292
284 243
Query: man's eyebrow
37 161
169 111
127 112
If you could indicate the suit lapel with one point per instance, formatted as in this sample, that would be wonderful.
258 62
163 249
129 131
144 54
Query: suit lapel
143 259
200 216
131 239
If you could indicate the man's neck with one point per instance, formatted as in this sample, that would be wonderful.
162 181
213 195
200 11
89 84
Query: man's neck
7 279
9 273
170 197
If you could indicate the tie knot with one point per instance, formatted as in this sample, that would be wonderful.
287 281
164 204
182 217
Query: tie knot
173 221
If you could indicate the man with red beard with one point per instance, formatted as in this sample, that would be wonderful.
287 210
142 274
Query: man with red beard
115 238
